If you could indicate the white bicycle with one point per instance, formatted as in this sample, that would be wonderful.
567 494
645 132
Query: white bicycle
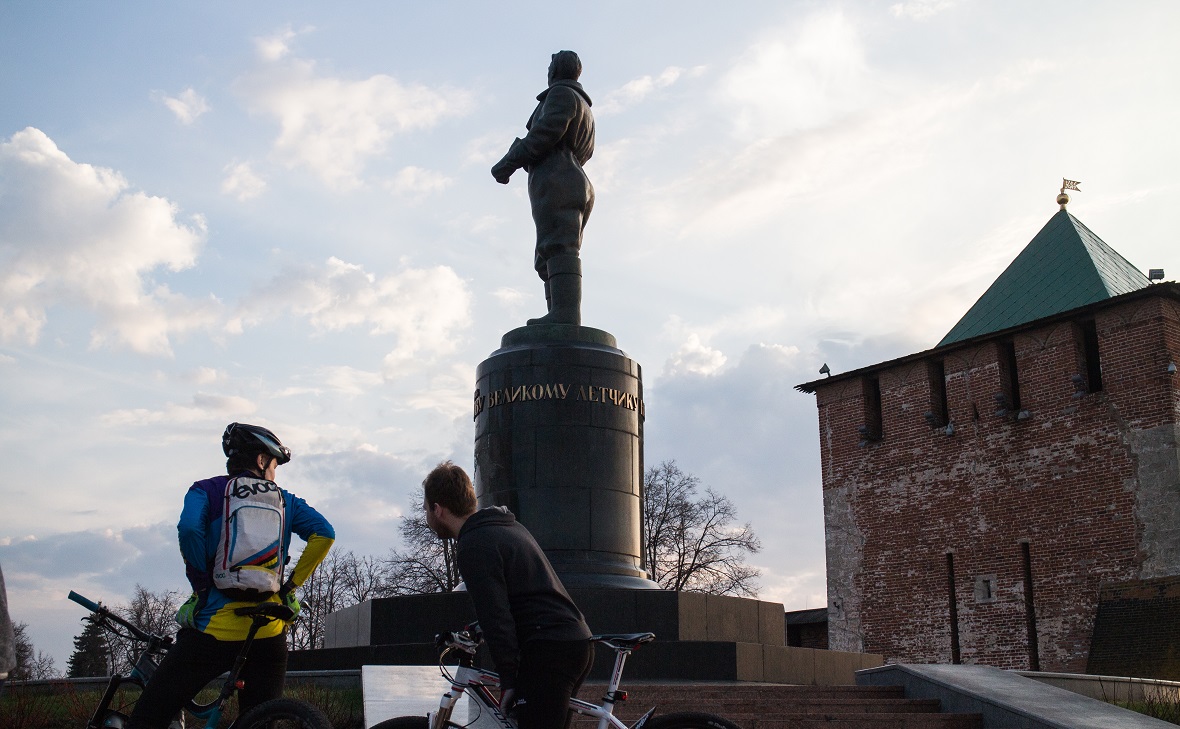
483 688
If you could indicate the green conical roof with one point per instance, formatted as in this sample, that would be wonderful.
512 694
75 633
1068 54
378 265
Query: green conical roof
1064 267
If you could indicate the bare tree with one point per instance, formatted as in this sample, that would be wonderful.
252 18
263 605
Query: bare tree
319 596
363 578
693 544
426 563
31 663
152 612
342 580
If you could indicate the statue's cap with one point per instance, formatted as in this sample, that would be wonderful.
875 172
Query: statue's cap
566 66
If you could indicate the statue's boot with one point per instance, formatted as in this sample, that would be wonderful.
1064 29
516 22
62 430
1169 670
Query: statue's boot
565 291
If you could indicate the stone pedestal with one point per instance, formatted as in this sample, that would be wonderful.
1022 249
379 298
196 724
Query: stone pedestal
698 637
559 441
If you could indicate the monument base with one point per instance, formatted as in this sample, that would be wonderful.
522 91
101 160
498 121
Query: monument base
698 637
559 442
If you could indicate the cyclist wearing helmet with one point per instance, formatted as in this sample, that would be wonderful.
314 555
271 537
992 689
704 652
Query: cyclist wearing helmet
211 635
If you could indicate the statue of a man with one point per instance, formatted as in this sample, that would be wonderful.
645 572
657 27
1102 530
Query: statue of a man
560 140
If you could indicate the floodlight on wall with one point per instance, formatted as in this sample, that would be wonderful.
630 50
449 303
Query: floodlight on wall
931 419
1155 274
866 435
1079 386
1023 415
1001 404
949 429
1171 368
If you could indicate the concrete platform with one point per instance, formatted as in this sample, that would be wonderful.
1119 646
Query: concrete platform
1005 699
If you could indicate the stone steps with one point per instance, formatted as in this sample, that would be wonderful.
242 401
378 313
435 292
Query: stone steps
768 706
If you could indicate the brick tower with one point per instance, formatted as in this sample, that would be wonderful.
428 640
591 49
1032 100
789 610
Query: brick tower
979 495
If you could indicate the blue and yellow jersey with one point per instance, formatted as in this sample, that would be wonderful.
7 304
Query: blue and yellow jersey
199 527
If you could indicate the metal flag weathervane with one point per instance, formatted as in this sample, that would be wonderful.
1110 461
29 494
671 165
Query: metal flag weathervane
1062 198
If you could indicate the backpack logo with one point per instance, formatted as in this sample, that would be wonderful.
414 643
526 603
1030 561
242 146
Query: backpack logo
249 559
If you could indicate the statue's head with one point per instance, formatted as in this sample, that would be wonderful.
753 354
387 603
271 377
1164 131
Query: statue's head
565 66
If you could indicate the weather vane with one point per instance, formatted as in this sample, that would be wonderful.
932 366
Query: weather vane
1062 198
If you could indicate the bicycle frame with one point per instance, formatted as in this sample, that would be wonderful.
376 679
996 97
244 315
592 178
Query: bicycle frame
141 672
148 660
483 683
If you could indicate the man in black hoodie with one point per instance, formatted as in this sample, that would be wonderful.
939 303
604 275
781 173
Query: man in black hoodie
537 636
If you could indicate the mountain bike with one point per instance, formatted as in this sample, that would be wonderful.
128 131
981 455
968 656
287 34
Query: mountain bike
281 712
483 688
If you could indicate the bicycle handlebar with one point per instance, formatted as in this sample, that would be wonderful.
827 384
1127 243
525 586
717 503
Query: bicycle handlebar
105 613
85 602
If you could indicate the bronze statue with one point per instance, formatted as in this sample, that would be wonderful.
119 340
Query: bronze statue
560 140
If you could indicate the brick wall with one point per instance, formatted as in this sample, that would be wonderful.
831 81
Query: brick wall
1091 483
1137 631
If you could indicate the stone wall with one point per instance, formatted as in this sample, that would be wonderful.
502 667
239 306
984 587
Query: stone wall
1089 481
1137 632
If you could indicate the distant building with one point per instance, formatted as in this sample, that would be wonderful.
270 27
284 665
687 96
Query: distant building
978 496
807 628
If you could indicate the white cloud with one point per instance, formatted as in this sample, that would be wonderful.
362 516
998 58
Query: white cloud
800 77
205 376
102 564
351 380
636 90
448 391
488 149
339 379
415 181
75 235
7 359
334 126
204 408
509 296
242 182
694 357
920 9
424 308
274 47
485 223
187 106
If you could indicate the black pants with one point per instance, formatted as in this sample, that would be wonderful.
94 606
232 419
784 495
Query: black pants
196 659
551 671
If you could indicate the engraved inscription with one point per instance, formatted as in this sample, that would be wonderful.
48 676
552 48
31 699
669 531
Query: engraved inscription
555 391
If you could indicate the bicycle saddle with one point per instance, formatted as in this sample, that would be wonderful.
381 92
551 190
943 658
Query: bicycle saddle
624 641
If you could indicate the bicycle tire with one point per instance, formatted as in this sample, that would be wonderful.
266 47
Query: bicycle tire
403 722
284 714
689 720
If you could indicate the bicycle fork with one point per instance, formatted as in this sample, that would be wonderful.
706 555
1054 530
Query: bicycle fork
439 719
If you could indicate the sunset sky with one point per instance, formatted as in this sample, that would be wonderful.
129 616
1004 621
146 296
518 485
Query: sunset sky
282 213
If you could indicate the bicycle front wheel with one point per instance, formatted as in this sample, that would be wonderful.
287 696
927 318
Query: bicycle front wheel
283 714
403 722
689 720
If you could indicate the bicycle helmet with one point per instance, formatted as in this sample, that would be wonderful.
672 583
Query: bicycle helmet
241 438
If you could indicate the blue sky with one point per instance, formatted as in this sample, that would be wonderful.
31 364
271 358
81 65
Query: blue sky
282 213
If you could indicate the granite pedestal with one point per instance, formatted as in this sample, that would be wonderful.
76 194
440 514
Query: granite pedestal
698 637
559 440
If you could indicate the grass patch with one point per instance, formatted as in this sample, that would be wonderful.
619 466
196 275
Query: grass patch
64 706
1163 709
